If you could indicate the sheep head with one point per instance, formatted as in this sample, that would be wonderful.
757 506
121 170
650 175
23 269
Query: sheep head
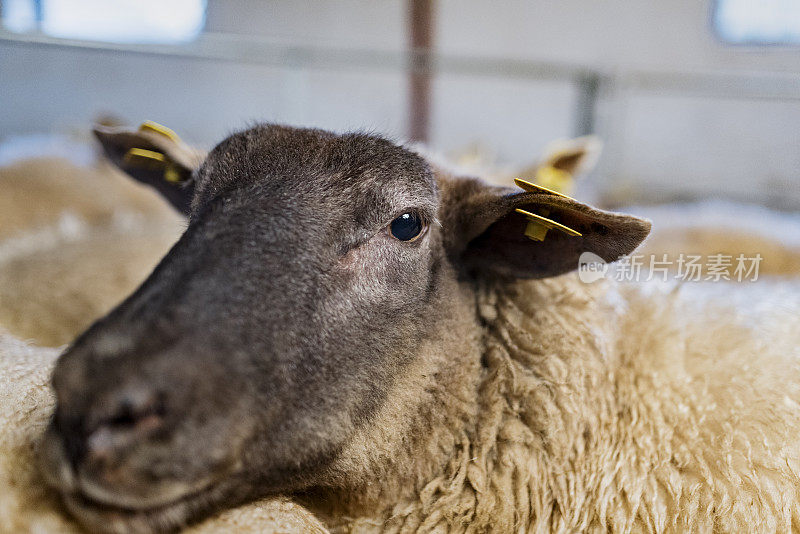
315 270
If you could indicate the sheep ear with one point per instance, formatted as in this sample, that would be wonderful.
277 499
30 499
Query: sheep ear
563 161
155 156
574 156
531 234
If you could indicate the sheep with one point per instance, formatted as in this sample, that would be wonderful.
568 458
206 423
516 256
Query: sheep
561 163
52 293
97 260
74 241
723 227
382 345
39 192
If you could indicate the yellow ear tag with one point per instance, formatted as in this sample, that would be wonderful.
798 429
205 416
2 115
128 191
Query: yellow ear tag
150 159
154 127
140 157
554 179
172 174
531 187
538 226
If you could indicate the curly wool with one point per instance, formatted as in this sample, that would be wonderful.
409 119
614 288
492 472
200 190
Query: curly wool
624 409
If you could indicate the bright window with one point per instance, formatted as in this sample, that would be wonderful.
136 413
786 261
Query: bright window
757 21
118 21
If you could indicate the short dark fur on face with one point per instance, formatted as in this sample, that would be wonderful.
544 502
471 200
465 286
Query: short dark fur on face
272 331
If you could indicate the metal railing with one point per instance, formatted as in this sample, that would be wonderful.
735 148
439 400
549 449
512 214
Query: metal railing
590 81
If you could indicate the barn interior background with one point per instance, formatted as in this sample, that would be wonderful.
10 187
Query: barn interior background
693 99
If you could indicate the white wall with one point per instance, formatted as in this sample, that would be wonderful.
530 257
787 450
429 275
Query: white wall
203 99
341 23
611 33
652 34
662 142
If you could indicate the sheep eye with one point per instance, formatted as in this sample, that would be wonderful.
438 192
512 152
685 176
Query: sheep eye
407 227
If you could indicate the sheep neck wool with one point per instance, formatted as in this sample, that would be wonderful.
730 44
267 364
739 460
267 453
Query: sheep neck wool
580 428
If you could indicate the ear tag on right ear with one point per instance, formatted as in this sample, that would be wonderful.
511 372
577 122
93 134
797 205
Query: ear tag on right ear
538 226
149 159
172 174
154 127
155 160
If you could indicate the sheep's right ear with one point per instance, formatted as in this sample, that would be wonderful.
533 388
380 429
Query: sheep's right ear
154 155
532 234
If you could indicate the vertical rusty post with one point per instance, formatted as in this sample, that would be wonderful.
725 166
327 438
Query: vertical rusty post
420 28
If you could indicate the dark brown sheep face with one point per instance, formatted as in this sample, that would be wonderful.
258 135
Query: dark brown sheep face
312 268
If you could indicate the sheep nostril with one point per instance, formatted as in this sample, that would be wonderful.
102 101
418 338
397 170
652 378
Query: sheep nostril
134 418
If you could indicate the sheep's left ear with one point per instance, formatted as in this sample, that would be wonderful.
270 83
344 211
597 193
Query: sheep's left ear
531 234
154 155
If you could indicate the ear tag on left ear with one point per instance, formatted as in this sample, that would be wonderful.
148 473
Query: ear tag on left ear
538 226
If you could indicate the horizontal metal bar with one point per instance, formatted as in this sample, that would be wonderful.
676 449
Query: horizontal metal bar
754 85
252 49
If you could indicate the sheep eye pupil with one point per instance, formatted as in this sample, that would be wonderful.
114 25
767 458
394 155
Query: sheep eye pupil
406 227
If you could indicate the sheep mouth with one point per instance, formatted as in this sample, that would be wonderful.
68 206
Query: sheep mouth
90 490
100 515
100 509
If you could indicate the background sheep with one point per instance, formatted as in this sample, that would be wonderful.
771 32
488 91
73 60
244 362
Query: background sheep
728 228
74 241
